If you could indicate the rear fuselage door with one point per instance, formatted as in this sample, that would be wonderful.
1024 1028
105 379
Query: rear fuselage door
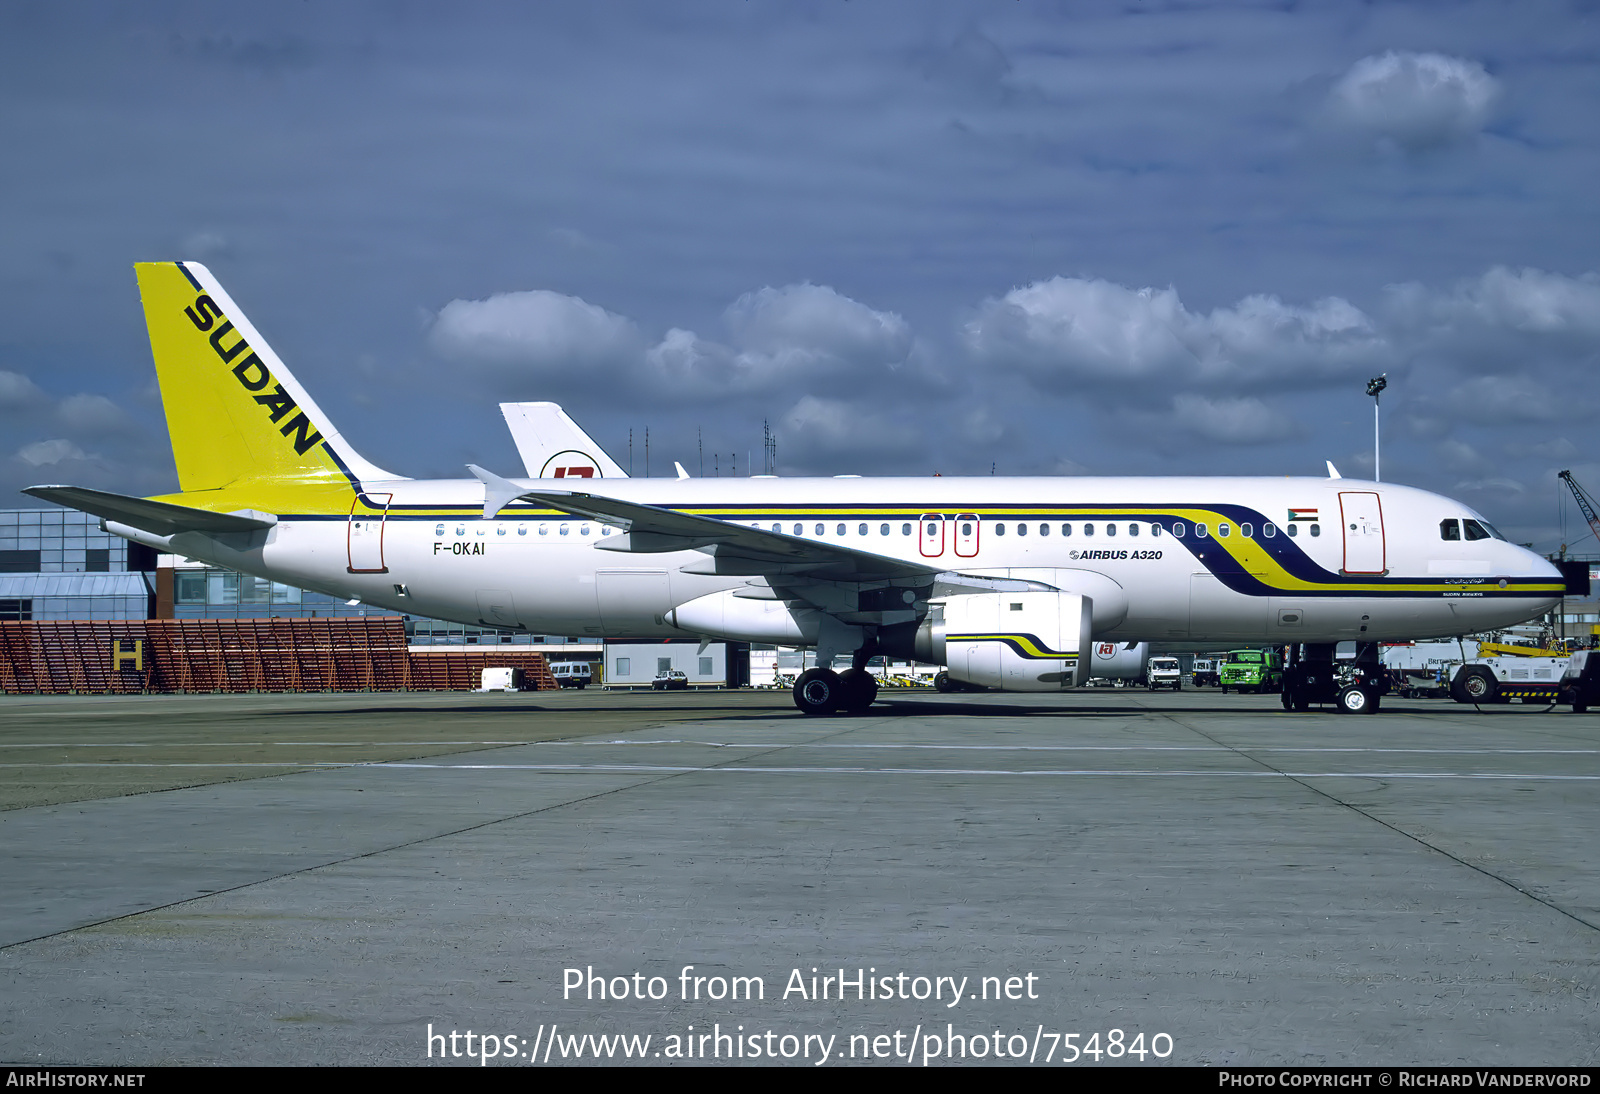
1362 520
366 533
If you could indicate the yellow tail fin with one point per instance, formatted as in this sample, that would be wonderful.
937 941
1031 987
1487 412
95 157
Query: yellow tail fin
236 415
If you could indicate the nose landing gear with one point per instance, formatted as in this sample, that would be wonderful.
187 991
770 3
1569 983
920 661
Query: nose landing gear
1311 676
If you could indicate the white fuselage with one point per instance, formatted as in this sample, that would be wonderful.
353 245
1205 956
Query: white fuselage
1365 561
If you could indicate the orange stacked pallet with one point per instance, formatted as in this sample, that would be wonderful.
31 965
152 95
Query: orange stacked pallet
227 655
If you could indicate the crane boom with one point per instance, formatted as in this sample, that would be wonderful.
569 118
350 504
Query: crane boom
1585 502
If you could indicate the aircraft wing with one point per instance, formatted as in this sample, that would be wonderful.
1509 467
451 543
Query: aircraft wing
734 549
159 518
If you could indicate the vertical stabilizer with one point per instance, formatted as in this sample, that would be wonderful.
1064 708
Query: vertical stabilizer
553 447
234 411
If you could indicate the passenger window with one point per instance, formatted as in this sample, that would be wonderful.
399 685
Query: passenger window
1066 529
1450 529
564 529
1022 529
438 529
1133 529
798 528
839 530
1177 528
933 529
1244 530
883 529
999 529
819 529
966 527
1224 529
1044 529
776 527
544 529
1111 529
1269 530
1155 530
461 529
499 529
1316 530
862 530
905 529
1088 529
583 529
1475 530
1199 530
522 529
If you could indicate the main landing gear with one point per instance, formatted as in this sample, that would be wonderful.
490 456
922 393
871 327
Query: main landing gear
823 691
1309 676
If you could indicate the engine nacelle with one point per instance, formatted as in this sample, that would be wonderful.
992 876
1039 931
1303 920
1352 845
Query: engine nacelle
1030 641
1119 660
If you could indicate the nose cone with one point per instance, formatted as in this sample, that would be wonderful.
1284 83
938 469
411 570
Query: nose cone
1538 570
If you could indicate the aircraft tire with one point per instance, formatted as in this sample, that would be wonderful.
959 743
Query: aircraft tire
1353 700
858 688
817 691
942 684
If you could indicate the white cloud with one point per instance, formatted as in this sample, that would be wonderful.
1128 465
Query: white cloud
1068 330
1416 100
813 327
1245 420
17 391
91 414
822 433
44 453
536 332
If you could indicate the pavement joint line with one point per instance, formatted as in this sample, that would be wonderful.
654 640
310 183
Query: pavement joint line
579 743
727 768
378 851
1507 882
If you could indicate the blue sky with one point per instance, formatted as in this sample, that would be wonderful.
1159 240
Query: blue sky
1041 238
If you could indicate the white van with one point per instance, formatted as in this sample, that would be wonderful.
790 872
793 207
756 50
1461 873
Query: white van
1163 672
572 674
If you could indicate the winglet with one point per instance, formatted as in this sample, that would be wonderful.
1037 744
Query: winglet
682 474
1333 472
497 492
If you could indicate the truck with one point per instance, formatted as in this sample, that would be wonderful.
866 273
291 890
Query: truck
1501 679
1252 671
1205 672
1163 672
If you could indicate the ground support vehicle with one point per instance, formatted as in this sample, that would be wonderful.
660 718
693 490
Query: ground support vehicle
1164 672
1205 672
1312 675
1580 684
1252 671
1501 679
572 674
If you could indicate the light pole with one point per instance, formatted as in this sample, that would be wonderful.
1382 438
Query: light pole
1375 387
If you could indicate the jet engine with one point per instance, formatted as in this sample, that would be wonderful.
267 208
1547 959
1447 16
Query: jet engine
1029 641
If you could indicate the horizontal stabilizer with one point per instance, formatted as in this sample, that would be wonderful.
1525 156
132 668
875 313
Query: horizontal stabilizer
159 518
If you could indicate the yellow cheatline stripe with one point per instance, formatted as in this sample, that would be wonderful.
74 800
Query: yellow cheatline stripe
1030 647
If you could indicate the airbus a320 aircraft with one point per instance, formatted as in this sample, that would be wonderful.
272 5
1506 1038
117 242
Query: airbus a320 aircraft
1007 581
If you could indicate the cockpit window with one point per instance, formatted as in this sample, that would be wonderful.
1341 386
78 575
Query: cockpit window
1476 530
1493 531
1450 529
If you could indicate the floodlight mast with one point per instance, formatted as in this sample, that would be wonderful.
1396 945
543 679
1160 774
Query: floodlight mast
1375 387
